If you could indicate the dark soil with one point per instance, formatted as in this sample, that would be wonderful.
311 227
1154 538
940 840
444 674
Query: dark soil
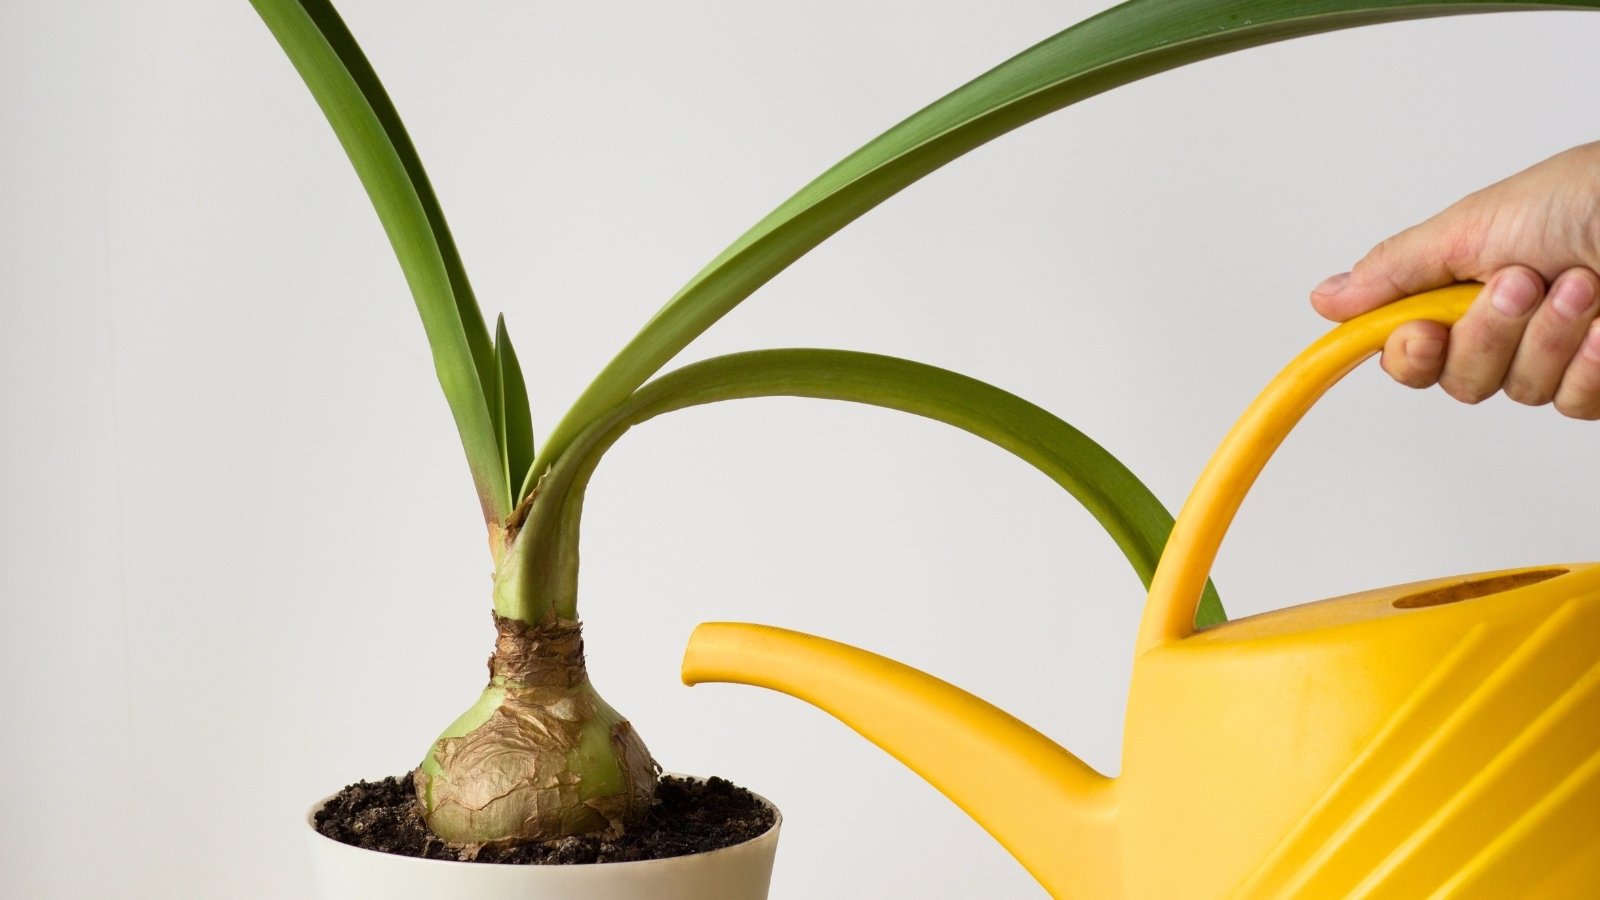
689 817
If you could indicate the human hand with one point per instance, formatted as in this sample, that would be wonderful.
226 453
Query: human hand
1539 227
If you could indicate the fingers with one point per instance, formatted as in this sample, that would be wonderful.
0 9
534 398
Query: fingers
1579 394
1414 353
1540 346
1553 337
1483 343
1438 252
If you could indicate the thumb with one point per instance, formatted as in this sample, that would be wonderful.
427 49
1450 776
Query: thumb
1418 259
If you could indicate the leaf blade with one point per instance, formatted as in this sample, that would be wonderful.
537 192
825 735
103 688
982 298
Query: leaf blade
338 75
516 427
1128 42
546 552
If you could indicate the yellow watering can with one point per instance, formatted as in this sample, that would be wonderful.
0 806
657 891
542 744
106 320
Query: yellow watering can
1431 740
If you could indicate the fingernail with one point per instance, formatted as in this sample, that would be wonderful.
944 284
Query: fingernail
1514 294
1333 284
1424 350
1591 344
1572 296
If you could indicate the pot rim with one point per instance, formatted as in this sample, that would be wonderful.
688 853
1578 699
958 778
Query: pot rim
769 834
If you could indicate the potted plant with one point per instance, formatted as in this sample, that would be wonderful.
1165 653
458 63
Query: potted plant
540 755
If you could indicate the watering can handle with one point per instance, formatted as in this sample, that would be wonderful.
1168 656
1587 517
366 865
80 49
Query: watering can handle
1192 547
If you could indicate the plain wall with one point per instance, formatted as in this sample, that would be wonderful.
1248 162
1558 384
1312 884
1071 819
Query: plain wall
242 561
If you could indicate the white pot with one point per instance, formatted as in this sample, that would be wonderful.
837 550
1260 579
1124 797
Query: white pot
739 872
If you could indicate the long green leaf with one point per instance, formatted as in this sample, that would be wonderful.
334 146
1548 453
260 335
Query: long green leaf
344 85
516 422
544 557
1123 44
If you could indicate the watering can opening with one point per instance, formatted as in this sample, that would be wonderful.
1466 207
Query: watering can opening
1508 591
1477 587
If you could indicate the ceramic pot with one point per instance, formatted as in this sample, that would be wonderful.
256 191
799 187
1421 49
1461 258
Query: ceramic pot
739 872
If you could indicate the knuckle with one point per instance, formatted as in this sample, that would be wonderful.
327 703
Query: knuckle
1548 344
1550 333
1417 377
1465 391
1526 393
1463 246
1380 256
1471 333
1403 371
1577 409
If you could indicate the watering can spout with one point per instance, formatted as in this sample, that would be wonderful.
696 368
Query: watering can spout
1054 813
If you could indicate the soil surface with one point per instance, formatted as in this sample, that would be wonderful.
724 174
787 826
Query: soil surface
689 817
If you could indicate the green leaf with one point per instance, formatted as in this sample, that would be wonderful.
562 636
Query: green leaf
344 85
1123 44
515 422
497 405
544 557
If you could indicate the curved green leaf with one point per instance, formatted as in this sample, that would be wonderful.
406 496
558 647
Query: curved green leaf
542 566
344 85
1123 44
513 417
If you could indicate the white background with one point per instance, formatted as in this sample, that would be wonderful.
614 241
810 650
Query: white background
242 563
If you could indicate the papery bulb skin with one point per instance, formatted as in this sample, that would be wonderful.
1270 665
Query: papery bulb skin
540 755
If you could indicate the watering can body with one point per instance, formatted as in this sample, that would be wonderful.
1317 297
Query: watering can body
1439 739
1436 739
